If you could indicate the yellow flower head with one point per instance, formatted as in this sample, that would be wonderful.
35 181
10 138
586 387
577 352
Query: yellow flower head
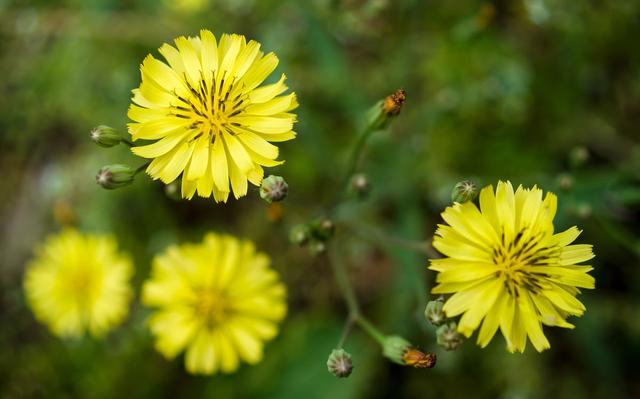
212 122
79 282
218 300
506 268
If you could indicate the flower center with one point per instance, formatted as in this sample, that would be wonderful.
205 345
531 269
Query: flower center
518 258
212 307
209 104
82 285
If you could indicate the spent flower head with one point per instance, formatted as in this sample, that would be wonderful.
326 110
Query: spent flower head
274 189
339 363
508 269
209 117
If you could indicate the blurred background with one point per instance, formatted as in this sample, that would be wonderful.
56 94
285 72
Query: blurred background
535 91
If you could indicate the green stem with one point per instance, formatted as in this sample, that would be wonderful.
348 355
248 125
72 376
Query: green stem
371 329
348 324
127 142
141 168
343 282
377 236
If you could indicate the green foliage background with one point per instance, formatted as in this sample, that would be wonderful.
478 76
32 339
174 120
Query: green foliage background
518 90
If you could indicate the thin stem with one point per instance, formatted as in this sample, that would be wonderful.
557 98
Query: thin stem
371 329
356 153
127 142
343 282
377 236
141 168
348 324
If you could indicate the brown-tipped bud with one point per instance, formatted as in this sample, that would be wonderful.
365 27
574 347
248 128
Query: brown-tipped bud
400 351
448 336
322 229
433 312
115 176
393 103
105 136
299 234
274 189
360 185
464 191
339 363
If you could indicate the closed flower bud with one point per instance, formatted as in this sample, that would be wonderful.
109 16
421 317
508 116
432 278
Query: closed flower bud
448 336
464 191
578 156
317 247
360 185
105 136
299 234
339 363
400 351
378 116
322 229
433 312
273 189
115 176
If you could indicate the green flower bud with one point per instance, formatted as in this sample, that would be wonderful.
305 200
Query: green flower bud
299 234
433 312
448 336
105 136
464 191
115 176
173 190
339 363
322 229
317 247
578 156
273 189
359 185
400 351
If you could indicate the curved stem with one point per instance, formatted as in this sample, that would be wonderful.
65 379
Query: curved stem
141 168
371 329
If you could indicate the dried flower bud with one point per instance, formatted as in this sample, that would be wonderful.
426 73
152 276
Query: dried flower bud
339 363
115 176
400 351
433 312
360 185
273 189
299 234
105 136
322 229
393 103
448 336
464 191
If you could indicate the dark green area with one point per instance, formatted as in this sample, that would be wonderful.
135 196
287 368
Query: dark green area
535 91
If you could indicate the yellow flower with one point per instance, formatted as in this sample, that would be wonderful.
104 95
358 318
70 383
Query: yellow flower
506 266
79 282
218 300
212 122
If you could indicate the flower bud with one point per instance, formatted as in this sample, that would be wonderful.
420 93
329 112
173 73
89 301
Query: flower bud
378 116
273 189
464 191
578 156
105 136
317 247
360 185
433 312
400 351
322 229
339 363
172 190
299 234
115 176
448 336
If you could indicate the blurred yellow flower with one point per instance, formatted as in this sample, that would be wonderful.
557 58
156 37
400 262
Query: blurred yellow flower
79 283
212 122
506 266
217 300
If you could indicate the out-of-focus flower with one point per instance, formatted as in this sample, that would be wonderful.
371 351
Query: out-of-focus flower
506 266
210 120
218 301
79 283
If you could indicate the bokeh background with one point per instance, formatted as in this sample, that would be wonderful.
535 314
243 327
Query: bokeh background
535 91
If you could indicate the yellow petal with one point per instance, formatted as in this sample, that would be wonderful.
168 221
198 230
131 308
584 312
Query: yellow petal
219 166
200 158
